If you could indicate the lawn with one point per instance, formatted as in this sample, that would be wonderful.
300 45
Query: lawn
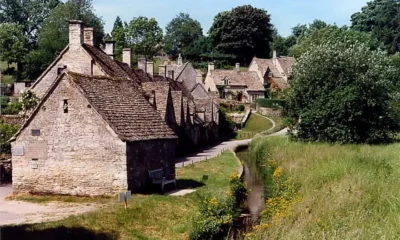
147 217
255 124
346 191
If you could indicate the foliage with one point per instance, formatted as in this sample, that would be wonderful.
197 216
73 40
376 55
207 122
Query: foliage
341 92
119 36
144 35
56 27
181 32
283 44
199 49
13 43
244 32
271 103
6 132
226 128
381 18
331 34
12 109
29 100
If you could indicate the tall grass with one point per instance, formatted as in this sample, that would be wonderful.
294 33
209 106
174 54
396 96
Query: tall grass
347 191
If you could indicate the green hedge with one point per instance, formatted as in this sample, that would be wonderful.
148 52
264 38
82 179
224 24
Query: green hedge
271 103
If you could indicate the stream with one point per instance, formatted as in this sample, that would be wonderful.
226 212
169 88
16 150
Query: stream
255 203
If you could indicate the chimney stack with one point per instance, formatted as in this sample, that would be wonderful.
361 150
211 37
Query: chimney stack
110 48
237 68
199 78
142 64
127 56
210 66
75 34
171 74
162 70
88 36
180 61
150 68
274 56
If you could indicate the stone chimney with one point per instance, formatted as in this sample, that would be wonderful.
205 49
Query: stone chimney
150 68
180 61
210 66
274 57
127 56
110 48
142 64
199 78
88 36
162 70
75 34
171 74
237 68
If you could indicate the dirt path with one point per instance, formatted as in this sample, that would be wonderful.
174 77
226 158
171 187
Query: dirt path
18 212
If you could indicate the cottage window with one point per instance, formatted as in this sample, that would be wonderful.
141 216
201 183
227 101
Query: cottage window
65 106
35 132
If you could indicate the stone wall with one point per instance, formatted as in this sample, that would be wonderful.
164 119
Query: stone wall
270 112
76 152
148 155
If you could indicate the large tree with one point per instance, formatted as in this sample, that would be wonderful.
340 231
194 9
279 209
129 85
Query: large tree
13 43
342 93
29 14
244 32
144 36
283 44
382 19
119 36
181 32
54 35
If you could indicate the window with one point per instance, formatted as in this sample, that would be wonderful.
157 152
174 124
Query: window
65 106
35 132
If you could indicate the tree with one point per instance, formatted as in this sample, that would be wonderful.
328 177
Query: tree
180 33
199 49
144 35
341 93
118 35
283 44
300 30
54 35
381 18
13 43
331 34
29 14
244 32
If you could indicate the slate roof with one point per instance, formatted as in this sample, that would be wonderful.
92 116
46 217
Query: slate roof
236 78
177 69
286 64
280 83
118 101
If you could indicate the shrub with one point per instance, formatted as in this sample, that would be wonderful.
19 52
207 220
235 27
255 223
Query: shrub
13 109
271 103
240 108
6 132
341 93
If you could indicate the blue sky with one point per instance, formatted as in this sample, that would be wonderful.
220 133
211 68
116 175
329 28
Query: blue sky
285 14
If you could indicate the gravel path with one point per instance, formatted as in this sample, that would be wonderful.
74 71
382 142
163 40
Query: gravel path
18 212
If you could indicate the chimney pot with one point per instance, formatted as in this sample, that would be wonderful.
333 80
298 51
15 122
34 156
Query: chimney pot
127 56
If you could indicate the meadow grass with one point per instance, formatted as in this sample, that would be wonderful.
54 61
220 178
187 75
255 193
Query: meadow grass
346 191
255 124
147 217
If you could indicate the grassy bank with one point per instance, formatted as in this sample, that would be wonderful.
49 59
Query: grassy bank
255 124
147 216
342 191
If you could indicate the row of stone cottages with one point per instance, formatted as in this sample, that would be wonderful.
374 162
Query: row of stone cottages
101 126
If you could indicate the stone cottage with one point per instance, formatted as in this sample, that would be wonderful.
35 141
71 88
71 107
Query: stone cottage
234 84
90 135
274 73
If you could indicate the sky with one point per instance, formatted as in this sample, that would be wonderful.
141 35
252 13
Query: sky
285 14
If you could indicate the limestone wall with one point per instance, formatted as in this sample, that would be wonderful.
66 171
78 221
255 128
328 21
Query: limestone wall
76 152
270 112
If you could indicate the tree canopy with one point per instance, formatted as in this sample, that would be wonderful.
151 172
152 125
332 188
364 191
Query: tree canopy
180 33
244 32
341 92
119 36
13 43
381 18
144 36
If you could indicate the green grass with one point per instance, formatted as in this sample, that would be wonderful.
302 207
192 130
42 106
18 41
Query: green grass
4 65
157 64
347 191
255 124
147 216
8 79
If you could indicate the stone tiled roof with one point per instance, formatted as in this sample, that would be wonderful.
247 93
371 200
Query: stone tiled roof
286 64
178 69
280 83
236 78
119 102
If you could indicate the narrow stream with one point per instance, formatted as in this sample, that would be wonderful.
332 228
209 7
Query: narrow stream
255 203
